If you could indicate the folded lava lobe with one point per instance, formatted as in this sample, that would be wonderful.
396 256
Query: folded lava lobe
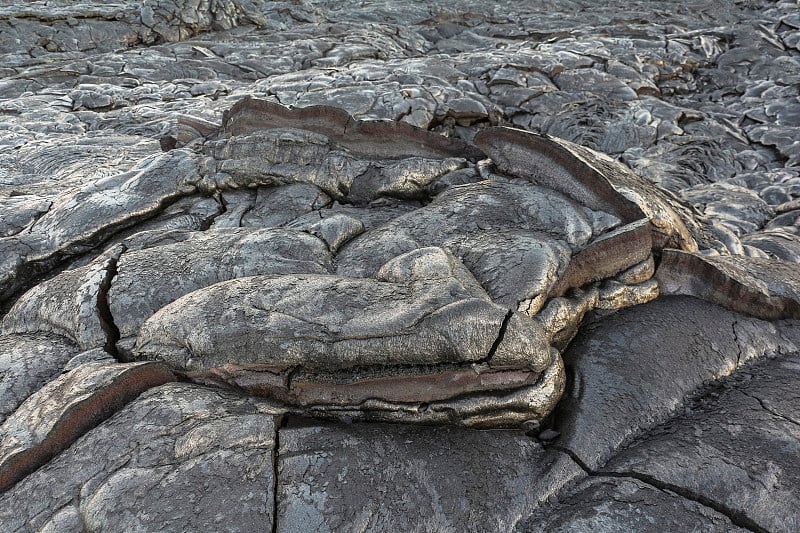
445 310
417 336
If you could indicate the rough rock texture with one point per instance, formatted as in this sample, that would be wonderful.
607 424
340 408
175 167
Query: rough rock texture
417 311
26 363
576 221
68 304
346 342
146 280
92 213
591 178
178 457
765 288
64 409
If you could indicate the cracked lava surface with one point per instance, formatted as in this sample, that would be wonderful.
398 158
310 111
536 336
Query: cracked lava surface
443 266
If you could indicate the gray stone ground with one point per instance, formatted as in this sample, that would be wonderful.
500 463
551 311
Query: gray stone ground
399 266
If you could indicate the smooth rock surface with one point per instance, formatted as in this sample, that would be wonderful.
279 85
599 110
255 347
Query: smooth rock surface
621 504
734 448
376 477
617 367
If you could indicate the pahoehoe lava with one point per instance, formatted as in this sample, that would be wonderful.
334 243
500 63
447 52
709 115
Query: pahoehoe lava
334 266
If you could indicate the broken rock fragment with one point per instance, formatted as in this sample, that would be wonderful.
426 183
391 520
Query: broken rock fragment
373 138
276 157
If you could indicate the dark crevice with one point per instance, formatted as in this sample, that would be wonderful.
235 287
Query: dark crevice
279 424
104 310
736 516
738 344
252 206
572 455
500 335
770 410
223 208
290 376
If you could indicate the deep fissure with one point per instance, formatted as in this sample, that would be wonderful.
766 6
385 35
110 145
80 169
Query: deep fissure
279 423
104 310
500 335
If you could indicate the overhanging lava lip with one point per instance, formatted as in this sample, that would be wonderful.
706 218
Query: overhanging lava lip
592 179
766 289
373 138
545 160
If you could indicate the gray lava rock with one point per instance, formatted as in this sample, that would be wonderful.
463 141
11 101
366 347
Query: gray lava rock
369 131
287 156
763 288
620 504
274 207
177 457
336 230
616 368
94 212
64 409
378 477
424 310
16 212
735 207
27 362
593 179
731 449
778 243
534 243
67 305
146 280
